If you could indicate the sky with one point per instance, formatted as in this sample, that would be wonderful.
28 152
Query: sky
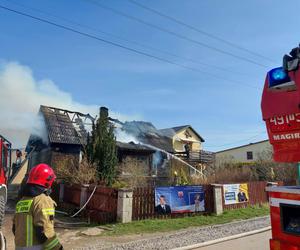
65 69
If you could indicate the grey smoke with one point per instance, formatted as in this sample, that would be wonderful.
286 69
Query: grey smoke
125 137
20 98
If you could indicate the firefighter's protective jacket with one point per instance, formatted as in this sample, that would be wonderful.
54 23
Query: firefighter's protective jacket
34 223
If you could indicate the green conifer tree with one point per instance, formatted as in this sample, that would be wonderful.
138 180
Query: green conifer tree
102 148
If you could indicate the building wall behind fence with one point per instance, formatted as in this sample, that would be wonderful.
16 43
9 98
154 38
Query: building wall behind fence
239 154
43 156
61 159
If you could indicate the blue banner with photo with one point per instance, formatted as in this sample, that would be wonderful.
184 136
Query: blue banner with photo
179 199
235 193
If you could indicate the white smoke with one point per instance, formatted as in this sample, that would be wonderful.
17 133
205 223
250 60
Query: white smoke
20 98
122 136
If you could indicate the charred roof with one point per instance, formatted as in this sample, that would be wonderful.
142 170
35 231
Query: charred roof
68 127
61 127
147 133
133 147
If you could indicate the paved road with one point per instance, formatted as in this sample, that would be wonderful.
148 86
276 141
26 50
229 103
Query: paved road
70 239
253 242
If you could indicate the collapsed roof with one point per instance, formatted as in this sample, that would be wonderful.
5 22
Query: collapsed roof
70 127
132 147
64 126
61 126
146 133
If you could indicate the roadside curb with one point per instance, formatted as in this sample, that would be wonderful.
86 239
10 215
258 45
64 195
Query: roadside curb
216 241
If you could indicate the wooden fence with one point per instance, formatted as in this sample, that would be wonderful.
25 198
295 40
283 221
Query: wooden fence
143 203
102 207
72 194
257 195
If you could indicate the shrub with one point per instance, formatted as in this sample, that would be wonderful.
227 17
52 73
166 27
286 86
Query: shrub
263 169
84 173
132 173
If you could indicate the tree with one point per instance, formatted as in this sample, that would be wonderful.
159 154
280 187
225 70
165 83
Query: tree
101 148
269 170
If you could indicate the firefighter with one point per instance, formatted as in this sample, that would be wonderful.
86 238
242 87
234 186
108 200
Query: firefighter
33 223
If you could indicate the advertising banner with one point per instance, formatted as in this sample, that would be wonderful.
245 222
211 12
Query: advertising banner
235 193
179 199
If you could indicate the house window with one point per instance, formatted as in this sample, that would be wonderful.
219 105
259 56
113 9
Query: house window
249 155
187 134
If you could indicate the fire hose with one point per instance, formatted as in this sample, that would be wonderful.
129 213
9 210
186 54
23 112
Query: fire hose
79 211
2 242
88 200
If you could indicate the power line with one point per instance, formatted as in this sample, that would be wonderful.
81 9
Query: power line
177 34
121 46
130 41
199 30
239 141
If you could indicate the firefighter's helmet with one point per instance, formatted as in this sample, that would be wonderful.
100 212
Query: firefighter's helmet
42 175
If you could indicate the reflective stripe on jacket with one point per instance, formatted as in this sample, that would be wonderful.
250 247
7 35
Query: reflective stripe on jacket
31 214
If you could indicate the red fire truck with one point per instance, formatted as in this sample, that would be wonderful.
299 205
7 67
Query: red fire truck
281 112
5 163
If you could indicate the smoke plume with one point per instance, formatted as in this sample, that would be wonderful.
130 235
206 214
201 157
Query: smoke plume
20 98
123 136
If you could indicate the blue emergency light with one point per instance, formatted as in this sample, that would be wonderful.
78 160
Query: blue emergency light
279 79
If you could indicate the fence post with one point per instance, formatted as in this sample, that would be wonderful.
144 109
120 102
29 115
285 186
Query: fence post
61 192
83 194
218 199
124 208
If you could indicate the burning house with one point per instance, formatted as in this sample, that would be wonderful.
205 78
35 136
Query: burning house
146 134
65 136
187 143
62 138
134 159
182 142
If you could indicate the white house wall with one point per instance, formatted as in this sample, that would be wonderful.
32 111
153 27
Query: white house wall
194 139
240 154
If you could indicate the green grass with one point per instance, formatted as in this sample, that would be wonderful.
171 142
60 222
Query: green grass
163 225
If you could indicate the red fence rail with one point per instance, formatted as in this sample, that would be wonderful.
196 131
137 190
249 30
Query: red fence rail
72 194
102 207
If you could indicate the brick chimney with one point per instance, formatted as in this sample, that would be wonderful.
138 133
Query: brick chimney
104 112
